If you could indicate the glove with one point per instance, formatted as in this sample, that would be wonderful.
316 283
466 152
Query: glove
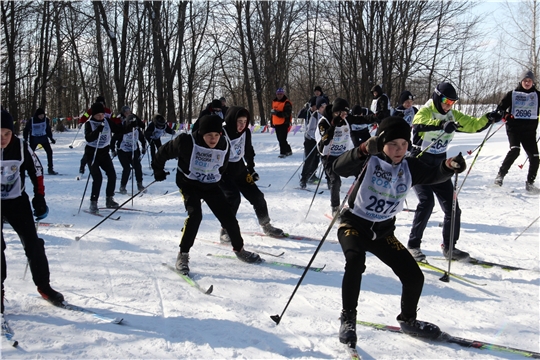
252 176
100 127
160 174
41 210
371 146
450 126
508 117
143 150
173 132
113 153
494 116
336 120
456 163
53 141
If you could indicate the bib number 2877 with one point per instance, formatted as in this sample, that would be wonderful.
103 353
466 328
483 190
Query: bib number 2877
382 206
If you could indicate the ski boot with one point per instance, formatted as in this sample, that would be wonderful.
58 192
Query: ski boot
303 184
248 256
272 231
52 296
224 237
122 190
417 254
52 172
110 203
499 179
457 254
418 328
93 207
529 186
140 186
347 330
182 263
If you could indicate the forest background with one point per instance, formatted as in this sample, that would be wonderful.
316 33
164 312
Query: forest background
174 57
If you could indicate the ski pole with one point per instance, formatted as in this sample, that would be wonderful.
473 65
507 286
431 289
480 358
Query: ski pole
71 146
132 160
77 238
446 276
315 193
480 145
277 318
521 166
521 233
431 144
88 180
476 156
303 162
27 263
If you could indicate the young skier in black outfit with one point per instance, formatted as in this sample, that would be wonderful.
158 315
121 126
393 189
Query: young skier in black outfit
16 158
203 157
522 107
238 177
369 222
38 127
98 132
129 154
406 110
155 130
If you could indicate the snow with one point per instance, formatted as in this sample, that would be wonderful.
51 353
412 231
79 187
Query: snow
116 271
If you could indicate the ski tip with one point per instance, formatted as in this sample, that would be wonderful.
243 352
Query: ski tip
118 320
276 318
15 343
210 289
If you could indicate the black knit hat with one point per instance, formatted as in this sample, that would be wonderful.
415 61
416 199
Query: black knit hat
405 95
318 88
356 110
210 123
98 108
39 111
340 104
313 101
7 120
100 99
392 128
216 104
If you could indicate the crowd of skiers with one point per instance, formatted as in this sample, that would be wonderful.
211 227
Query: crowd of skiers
215 164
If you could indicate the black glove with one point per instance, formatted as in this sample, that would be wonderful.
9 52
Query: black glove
508 117
41 210
252 176
53 141
100 127
456 163
336 120
160 174
494 116
372 146
450 126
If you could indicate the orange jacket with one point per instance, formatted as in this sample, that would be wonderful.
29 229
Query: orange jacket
279 106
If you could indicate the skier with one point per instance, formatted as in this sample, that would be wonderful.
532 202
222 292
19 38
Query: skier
155 130
98 132
311 155
522 107
84 118
202 156
406 110
18 157
437 120
129 153
335 139
238 177
281 121
380 105
39 129
369 222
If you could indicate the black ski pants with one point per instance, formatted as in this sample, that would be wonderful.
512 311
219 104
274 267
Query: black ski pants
129 160
391 252
444 192
155 144
216 201
311 162
44 142
102 161
281 134
18 213
334 180
232 187
522 132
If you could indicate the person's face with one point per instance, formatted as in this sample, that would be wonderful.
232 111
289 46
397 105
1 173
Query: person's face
5 138
396 150
343 114
408 104
127 113
279 96
241 123
322 108
223 103
446 107
211 139
41 116
375 94
98 116
313 108
317 93
527 83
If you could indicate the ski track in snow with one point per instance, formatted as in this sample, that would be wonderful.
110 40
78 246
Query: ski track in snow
116 271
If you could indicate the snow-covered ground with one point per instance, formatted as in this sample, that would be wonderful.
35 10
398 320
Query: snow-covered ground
116 270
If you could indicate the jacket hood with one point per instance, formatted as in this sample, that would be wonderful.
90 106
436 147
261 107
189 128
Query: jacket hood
233 114
378 89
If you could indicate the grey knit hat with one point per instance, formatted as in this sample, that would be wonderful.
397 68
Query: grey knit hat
527 74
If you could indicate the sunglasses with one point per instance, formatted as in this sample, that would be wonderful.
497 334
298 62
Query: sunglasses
447 101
